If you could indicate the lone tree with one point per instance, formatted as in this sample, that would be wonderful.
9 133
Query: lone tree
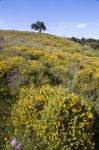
38 26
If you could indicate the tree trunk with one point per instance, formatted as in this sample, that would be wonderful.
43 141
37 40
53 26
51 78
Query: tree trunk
40 31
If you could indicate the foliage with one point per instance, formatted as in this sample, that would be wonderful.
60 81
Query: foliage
38 26
92 42
38 73
88 82
54 117
7 99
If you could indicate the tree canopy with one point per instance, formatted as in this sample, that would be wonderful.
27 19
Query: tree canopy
38 26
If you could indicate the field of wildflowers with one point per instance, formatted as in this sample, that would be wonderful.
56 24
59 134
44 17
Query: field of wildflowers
49 93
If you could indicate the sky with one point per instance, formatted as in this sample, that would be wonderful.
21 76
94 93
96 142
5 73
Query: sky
78 18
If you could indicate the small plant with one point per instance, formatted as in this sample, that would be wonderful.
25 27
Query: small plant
15 145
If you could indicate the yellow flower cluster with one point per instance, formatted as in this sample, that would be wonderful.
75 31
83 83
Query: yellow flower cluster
55 116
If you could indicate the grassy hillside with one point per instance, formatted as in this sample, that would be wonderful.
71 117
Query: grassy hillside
49 92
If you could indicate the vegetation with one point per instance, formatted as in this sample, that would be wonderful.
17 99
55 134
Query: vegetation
91 42
38 26
49 92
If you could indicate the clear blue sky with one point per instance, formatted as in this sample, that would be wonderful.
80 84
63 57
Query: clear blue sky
79 18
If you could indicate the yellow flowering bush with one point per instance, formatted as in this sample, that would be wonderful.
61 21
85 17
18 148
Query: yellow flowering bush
3 68
55 118
21 48
33 73
88 82
9 65
35 54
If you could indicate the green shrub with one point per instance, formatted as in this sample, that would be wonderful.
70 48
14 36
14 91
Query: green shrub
33 73
7 98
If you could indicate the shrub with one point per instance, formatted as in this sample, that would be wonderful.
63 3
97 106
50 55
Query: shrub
7 98
88 83
33 73
51 118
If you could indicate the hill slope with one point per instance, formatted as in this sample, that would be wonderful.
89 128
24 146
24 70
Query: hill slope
33 64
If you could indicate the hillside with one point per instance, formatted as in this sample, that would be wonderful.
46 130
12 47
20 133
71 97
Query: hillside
49 92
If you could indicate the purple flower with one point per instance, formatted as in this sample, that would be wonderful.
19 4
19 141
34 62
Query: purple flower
18 146
13 142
